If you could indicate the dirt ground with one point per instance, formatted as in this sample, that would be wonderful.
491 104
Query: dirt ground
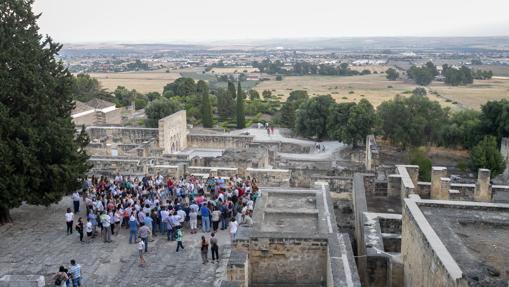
143 82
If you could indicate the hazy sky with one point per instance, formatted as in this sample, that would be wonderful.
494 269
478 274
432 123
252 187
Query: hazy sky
203 20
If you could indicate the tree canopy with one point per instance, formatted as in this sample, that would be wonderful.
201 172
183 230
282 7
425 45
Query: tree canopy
159 109
41 156
487 155
311 117
181 87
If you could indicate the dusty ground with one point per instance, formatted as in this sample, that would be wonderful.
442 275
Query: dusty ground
37 244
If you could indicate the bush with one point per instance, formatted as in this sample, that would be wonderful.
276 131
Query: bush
419 157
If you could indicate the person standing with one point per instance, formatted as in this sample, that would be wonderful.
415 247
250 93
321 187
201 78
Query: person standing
205 220
233 228
79 228
193 220
105 221
216 216
204 250
76 201
141 246
179 239
69 219
133 229
144 233
88 228
214 248
75 271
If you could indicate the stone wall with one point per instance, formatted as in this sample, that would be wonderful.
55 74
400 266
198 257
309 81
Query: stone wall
504 150
113 117
269 177
173 132
121 135
295 262
87 120
427 262
218 141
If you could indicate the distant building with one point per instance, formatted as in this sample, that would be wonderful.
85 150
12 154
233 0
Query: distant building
96 112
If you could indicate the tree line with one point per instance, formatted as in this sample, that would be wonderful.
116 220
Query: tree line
454 76
302 68
407 122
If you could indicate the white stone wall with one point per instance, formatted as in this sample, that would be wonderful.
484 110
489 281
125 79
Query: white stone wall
173 132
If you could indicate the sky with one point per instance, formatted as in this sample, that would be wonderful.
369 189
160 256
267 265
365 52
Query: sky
186 21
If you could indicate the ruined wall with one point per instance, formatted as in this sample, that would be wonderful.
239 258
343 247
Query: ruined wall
113 117
123 135
293 262
504 150
173 132
422 265
218 141
269 177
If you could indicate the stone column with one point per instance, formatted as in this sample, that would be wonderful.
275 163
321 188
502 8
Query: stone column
437 172
445 185
483 187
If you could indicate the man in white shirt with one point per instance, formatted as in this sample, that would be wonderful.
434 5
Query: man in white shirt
69 218
76 201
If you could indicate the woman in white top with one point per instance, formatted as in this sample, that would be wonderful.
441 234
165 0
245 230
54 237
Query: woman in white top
233 228
69 218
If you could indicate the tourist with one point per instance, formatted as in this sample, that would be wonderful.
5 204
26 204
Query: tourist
205 218
76 201
216 216
61 278
75 271
179 239
141 246
193 219
80 228
89 229
69 219
233 229
214 248
204 250
148 221
106 231
133 229
144 233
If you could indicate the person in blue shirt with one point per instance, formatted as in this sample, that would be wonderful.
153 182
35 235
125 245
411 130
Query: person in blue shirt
148 221
133 229
75 271
205 218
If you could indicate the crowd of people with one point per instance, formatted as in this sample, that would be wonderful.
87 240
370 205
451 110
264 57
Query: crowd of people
161 206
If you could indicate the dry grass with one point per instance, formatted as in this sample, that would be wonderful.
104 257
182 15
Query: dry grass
376 89
143 82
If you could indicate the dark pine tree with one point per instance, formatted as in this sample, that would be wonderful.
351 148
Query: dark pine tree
206 108
42 157
239 111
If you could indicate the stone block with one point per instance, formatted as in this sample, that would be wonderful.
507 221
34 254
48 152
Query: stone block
22 281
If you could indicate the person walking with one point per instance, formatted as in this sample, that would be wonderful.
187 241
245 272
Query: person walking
214 248
204 250
75 271
133 229
61 278
179 239
69 219
141 246
144 233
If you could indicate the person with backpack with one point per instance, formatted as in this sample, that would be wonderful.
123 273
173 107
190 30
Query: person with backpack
214 248
61 278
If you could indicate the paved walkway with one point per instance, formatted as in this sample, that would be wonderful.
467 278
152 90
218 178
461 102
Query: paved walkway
260 135
37 244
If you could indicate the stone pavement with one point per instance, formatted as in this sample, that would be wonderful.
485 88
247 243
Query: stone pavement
37 244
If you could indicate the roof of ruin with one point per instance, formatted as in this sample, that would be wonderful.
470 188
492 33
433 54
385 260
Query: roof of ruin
99 104
80 107
474 235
